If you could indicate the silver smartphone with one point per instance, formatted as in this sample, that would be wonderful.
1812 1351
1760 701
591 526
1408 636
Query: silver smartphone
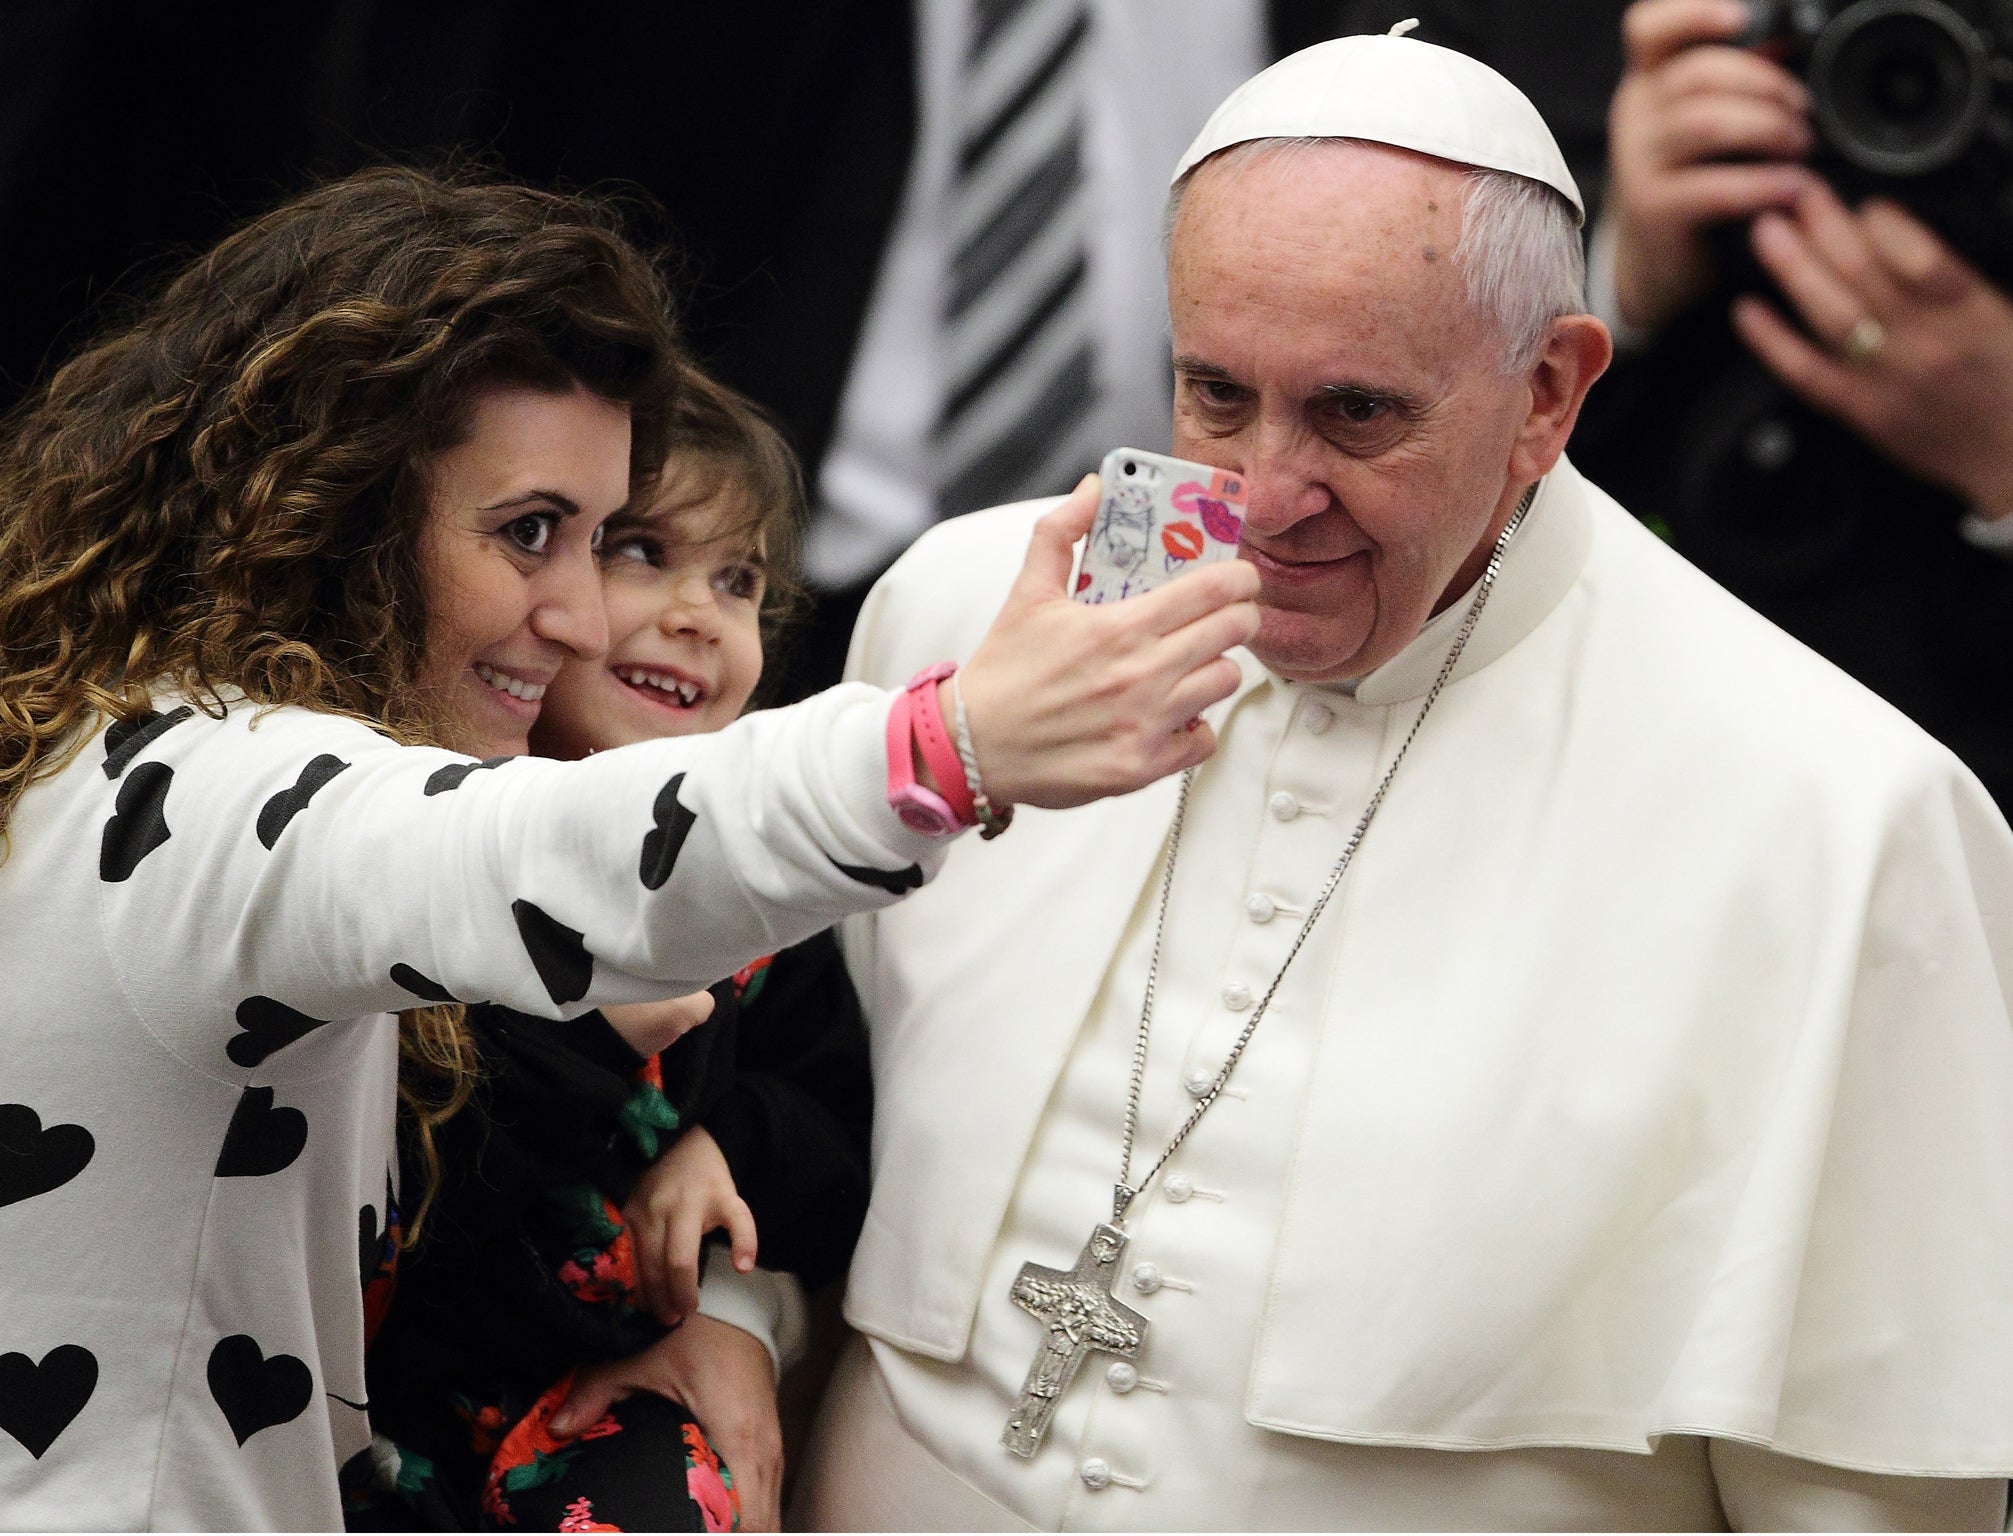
1157 517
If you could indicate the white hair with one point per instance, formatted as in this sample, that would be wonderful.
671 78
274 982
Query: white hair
1519 251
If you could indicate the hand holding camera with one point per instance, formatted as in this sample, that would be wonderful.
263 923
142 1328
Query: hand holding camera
1898 335
1902 340
1701 133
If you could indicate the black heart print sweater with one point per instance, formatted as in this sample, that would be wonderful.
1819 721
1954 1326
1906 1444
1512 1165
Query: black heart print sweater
207 921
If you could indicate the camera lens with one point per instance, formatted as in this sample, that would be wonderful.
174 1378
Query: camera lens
1131 468
1900 85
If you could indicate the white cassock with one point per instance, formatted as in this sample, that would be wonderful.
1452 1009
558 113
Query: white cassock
1634 1130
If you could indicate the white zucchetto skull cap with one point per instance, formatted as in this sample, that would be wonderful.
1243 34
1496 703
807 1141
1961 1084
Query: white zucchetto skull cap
1392 90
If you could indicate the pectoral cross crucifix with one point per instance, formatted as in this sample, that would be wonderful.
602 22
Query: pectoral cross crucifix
1076 1310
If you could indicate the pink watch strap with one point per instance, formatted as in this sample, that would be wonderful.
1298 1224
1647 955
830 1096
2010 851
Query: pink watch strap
919 809
926 720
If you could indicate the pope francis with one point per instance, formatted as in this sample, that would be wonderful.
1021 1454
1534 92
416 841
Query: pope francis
1550 1068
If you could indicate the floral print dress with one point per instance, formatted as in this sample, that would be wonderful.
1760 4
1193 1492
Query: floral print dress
525 1270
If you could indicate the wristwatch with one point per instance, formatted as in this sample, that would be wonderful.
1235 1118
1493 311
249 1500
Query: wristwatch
916 722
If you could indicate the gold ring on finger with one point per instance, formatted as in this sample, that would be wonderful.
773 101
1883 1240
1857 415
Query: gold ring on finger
1866 339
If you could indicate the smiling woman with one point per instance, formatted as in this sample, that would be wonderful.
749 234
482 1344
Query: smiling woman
341 479
326 507
519 509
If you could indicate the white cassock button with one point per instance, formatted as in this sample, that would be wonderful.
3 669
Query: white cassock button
1095 1472
1260 908
1317 718
1284 807
1237 996
1179 1187
1123 1376
1197 1082
1146 1278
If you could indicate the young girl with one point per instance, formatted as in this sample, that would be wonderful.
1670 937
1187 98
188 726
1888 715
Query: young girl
591 1164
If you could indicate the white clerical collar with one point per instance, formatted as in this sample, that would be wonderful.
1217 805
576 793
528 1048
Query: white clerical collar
1539 568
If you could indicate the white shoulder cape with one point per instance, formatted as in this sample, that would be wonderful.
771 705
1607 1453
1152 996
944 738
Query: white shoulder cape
1667 1078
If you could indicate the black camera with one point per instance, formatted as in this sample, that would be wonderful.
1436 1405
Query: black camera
1912 99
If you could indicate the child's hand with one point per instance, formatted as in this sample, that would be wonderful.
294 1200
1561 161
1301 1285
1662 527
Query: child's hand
685 1194
651 1027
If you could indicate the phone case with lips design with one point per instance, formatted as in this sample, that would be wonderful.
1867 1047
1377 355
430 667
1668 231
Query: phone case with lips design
1158 516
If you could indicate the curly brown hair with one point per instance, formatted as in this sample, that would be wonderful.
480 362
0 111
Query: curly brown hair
228 491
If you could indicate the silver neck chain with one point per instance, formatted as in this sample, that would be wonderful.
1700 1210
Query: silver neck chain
1126 1191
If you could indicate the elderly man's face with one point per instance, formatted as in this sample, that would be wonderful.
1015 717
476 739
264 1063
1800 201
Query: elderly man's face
1325 349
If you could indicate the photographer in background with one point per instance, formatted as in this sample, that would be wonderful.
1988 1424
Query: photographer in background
1813 396
1858 490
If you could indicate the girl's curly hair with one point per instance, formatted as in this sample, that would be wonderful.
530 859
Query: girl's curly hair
228 491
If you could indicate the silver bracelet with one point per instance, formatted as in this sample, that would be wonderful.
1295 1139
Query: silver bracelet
991 822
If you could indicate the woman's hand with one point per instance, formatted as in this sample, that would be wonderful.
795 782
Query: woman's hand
685 1194
1069 703
651 1027
724 1376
